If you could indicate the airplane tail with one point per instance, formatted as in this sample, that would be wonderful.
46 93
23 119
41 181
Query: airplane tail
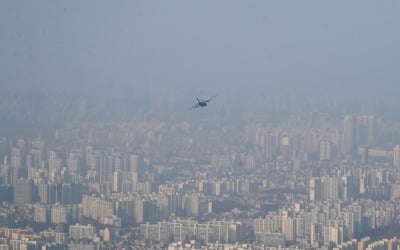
198 100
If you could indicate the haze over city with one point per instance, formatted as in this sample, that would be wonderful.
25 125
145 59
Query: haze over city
199 124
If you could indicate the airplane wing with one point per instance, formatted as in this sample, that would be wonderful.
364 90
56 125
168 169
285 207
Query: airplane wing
210 99
195 106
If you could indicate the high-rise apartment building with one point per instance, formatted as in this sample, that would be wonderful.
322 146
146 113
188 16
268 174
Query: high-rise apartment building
315 189
41 213
372 130
325 150
23 192
396 156
117 181
133 163
366 131
349 135
289 228
96 208
81 231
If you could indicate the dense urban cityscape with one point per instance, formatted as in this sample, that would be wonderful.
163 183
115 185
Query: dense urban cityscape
320 183
180 125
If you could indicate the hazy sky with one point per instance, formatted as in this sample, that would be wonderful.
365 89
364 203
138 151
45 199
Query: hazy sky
201 47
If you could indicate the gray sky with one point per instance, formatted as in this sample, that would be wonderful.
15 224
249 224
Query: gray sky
201 47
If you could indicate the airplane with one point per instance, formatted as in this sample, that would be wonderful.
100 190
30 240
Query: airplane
202 104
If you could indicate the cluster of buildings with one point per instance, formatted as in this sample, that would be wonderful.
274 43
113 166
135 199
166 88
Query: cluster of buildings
181 230
321 224
357 136
77 237
180 186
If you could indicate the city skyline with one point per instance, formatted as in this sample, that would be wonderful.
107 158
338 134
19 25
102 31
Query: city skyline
101 148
